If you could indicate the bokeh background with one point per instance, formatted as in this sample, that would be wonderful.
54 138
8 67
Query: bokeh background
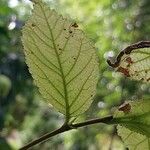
112 25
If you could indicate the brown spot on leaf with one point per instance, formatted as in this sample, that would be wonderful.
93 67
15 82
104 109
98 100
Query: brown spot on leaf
148 79
64 29
126 107
33 25
129 60
75 25
128 65
70 31
125 71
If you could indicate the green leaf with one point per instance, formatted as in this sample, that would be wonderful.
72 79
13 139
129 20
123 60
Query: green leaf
61 59
5 85
133 140
134 61
135 115
134 121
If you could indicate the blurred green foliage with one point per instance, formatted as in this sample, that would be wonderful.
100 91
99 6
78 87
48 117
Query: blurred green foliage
24 116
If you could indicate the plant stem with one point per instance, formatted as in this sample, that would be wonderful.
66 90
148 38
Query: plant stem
107 120
46 136
67 127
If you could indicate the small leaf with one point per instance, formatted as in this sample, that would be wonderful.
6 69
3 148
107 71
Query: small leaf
137 118
134 123
61 59
133 140
134 61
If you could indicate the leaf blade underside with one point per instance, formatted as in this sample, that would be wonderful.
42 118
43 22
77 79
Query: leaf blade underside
134 124
61 59
133 140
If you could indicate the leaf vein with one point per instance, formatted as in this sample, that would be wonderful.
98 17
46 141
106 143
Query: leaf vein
43 54
61 69
80 71
49 81
80 91
75 62
34 54
141 59
49 93
41 39
80 106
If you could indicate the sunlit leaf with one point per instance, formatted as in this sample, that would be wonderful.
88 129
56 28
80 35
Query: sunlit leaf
134 123
133 140
61 59
134 61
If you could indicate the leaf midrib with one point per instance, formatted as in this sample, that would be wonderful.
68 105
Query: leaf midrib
60 66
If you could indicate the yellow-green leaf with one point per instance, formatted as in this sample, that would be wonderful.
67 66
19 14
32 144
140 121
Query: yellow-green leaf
134 61
134 140
134 123
61 59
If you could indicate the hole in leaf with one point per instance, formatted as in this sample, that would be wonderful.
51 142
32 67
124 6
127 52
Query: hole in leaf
33 25
75 25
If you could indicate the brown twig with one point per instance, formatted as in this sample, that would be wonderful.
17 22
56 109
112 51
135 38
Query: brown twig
66 127
128 50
